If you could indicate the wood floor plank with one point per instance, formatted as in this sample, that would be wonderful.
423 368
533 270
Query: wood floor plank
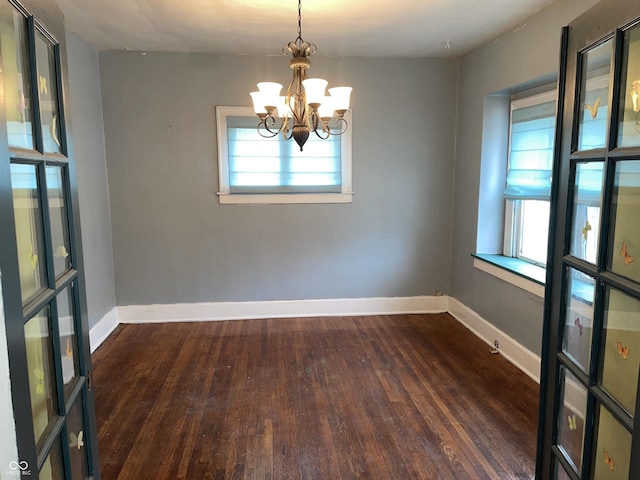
376 397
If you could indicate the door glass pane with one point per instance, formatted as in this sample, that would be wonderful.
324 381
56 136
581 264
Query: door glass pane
42 386
560 473
571 420
77 439
68 340
626 228
53 468
613 451
586 211
594 97
576 341
629 118
16 77
29 230
59 220
621 356
48 93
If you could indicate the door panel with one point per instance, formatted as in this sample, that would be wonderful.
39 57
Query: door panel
46 320
589 427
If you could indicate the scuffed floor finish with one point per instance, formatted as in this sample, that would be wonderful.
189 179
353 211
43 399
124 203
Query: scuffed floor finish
377 397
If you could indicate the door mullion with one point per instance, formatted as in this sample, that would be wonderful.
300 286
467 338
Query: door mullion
35 92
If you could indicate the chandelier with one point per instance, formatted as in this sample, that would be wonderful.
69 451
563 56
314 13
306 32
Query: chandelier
304 108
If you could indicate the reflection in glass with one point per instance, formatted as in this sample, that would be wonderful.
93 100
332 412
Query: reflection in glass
48 93
586 211
53 468
571 419
16 77
59 220
68 340
561 474
613 450
576 341
42 387
29 230
594 97
621 352
77 439
629 117
624 253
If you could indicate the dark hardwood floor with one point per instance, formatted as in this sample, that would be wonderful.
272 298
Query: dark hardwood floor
378 397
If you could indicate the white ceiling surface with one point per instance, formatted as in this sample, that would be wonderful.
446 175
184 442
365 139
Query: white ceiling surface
381 28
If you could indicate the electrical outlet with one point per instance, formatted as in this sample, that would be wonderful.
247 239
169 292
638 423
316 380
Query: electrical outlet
496 344
438 293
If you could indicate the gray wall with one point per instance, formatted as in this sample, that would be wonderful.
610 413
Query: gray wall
514 59
173 242
91 169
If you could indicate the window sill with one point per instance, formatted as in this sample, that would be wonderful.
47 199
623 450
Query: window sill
512 270
246 198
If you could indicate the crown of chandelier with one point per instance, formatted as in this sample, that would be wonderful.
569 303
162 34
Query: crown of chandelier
304 108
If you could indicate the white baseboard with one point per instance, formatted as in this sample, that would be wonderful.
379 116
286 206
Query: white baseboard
521 357
517 354
199 312
101 330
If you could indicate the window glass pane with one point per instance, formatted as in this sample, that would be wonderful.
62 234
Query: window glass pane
629 121
42 386
16 77
77 440
613 450
68 339
594 97
48 93
621 349
571 420
576 342
29 230
586 211
534 231
624 253
53 468
531 147
59 220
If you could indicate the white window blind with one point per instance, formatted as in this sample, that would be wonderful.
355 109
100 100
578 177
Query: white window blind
531 147
258 164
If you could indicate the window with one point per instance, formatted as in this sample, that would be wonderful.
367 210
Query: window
531 139
254 169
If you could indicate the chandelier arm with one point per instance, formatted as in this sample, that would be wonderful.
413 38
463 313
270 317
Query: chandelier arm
287 134
263 135
342 126
267 125
319 133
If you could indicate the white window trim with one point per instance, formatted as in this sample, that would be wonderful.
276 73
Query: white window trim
226 197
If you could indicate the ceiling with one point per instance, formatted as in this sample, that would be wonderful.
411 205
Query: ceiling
406 28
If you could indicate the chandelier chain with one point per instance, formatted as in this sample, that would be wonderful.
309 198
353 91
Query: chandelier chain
300 19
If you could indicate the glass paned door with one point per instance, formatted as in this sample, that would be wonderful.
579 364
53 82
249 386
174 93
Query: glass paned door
589 427
40 258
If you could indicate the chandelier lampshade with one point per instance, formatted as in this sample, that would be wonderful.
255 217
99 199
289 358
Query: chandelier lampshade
304 108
